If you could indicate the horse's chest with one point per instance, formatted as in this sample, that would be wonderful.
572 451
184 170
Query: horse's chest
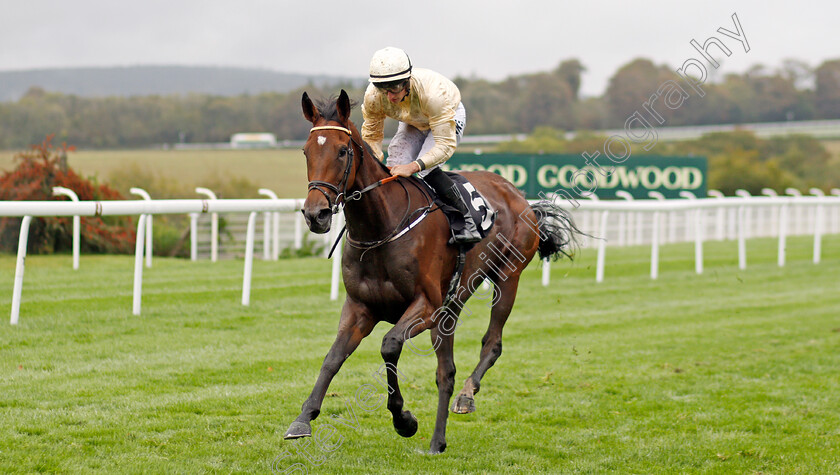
381 284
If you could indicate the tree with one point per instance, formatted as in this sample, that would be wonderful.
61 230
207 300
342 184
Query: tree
489 111
775 98
828 90
546 100
804 157
741 160
798 72
569 72
631 86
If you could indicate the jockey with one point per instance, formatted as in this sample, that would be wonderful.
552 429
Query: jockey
431 123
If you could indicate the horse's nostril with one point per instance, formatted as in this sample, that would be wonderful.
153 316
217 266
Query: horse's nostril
324 214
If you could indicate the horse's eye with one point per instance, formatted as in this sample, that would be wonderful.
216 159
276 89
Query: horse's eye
342 153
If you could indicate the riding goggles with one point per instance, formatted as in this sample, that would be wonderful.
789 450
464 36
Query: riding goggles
394 87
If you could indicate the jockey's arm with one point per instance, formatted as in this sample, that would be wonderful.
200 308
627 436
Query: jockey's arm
373 129
443 131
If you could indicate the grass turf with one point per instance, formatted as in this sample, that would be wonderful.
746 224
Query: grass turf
728 372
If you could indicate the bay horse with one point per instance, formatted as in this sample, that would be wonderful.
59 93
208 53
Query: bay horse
397 265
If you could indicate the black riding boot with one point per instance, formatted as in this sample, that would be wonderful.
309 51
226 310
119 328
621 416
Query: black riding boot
449 194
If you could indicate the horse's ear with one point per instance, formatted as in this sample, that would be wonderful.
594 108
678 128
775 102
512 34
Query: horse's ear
343 106
309 110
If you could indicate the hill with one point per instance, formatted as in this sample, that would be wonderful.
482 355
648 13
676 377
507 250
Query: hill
158 80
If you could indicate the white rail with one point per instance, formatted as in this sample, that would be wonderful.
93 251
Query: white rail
144 208
817 206
695 210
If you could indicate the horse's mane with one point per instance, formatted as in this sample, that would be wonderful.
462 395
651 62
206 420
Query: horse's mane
329 110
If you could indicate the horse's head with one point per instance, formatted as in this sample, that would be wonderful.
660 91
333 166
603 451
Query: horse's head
330 160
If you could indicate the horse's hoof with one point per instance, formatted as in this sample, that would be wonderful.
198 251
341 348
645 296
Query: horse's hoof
437 448
463 405
407 425
298 430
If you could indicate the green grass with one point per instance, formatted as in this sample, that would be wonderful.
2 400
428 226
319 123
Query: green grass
728 372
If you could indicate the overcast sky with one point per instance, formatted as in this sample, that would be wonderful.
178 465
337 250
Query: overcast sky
488 39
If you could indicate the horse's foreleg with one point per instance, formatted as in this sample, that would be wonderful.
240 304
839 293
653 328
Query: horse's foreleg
355 324
445 383
416 319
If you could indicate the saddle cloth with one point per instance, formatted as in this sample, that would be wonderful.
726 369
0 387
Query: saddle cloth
482 213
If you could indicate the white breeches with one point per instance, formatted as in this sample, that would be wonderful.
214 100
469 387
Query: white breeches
410 143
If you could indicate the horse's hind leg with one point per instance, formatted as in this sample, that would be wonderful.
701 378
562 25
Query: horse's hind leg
491 344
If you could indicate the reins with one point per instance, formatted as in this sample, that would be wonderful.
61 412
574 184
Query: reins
342 198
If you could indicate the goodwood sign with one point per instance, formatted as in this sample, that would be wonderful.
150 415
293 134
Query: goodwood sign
549 173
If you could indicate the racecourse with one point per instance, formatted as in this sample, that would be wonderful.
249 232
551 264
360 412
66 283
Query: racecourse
727 372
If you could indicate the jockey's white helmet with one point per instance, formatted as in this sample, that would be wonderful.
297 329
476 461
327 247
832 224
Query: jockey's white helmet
389 64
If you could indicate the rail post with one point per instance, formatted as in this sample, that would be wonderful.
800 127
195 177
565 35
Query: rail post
746 213
774 212
836 192
214 225
628 231
654 247
249 258
143 194
62 191
602 247
23 240
271 231
796 219
721 215
336 264
818 225
138 265
669 232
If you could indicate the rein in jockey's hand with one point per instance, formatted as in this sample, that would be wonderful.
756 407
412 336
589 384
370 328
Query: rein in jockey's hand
405 170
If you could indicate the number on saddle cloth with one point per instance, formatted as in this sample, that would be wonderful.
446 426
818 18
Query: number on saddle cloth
483 215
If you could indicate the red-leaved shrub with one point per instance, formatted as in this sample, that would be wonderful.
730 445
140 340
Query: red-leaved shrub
38 171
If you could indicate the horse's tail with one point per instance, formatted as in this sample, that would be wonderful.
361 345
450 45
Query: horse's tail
558 232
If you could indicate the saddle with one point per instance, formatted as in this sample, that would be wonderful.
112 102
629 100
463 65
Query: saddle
482 213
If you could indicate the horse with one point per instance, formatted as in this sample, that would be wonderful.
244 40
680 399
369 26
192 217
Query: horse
397 264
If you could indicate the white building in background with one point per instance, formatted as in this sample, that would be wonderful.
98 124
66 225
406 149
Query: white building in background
253 140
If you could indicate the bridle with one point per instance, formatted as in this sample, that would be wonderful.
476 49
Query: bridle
341 196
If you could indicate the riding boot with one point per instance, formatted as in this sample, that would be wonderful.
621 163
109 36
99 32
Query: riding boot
469 232
448 192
